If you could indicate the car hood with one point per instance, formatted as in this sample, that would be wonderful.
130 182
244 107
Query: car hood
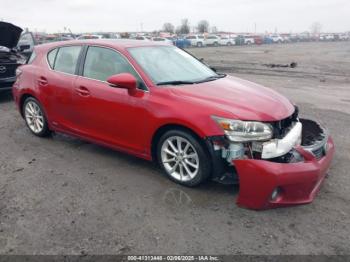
9 35
238 98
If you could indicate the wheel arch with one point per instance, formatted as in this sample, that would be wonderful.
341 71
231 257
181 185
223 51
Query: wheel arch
173 126
22 99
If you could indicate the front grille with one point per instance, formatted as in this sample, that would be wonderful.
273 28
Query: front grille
282 127
8 70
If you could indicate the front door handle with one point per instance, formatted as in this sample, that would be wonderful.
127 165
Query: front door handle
83 91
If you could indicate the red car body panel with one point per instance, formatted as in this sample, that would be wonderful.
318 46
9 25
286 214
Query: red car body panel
92 110
298 182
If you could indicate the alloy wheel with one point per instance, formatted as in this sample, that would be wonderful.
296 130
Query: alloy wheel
180 158
34 117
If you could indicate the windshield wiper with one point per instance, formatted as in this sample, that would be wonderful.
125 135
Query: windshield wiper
180 82
212 78
175 82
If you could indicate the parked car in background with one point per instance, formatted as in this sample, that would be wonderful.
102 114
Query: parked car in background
286 38
304 37
196 40
142 38
89 36
163 39
343 37
196 124
327 37
240 40
26 43
55 37
277 39
181 42
258 40
249 40
226 40
11 53
110 35
212 40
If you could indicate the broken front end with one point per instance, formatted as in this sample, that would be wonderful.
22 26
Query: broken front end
276 164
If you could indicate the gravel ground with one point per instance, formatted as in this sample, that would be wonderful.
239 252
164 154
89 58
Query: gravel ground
64 196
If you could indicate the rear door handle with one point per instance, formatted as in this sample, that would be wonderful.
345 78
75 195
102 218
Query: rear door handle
42 81
83 91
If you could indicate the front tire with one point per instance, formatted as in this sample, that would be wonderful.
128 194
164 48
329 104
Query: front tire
35 118
183 158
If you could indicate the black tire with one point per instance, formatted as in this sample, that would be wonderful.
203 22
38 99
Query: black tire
199 44
229 44
216 44
204 164
45 131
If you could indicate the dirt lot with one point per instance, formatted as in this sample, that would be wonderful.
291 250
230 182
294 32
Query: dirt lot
66 196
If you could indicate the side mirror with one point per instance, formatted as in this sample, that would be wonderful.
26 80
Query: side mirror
124 80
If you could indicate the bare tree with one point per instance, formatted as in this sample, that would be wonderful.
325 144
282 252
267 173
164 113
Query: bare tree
316 28
203 26
169 28
185 27
214 29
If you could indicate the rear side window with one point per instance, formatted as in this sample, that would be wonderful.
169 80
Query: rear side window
101 63
51 57
66 59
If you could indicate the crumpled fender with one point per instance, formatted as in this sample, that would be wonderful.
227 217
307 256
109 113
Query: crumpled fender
299 182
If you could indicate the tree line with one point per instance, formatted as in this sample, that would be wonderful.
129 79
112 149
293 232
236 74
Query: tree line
203 26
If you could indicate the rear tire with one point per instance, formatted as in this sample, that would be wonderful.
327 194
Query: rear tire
183 158
35 117
199 44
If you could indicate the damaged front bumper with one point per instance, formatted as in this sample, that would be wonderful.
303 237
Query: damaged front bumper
265 184
285 178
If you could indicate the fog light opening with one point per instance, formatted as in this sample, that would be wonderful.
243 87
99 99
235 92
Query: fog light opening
275 193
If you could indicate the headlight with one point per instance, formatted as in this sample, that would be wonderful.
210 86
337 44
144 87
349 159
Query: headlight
243 131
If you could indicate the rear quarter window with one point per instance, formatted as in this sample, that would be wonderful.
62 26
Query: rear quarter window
67 59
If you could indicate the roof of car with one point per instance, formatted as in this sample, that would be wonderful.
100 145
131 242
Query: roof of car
113 43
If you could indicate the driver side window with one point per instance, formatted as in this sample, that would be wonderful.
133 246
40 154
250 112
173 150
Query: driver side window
101 63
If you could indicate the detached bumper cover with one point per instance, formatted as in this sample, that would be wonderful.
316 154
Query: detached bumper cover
298 183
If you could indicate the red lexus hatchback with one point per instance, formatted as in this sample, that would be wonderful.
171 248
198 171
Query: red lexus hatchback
158 102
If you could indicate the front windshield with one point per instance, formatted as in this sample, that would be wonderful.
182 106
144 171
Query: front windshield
166 64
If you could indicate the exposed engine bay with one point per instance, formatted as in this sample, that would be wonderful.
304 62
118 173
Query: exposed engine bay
289 133
10 55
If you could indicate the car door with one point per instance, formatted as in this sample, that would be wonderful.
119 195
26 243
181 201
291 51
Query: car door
58 84
104 113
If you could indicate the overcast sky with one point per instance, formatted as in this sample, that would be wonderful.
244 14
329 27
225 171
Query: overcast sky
130 15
